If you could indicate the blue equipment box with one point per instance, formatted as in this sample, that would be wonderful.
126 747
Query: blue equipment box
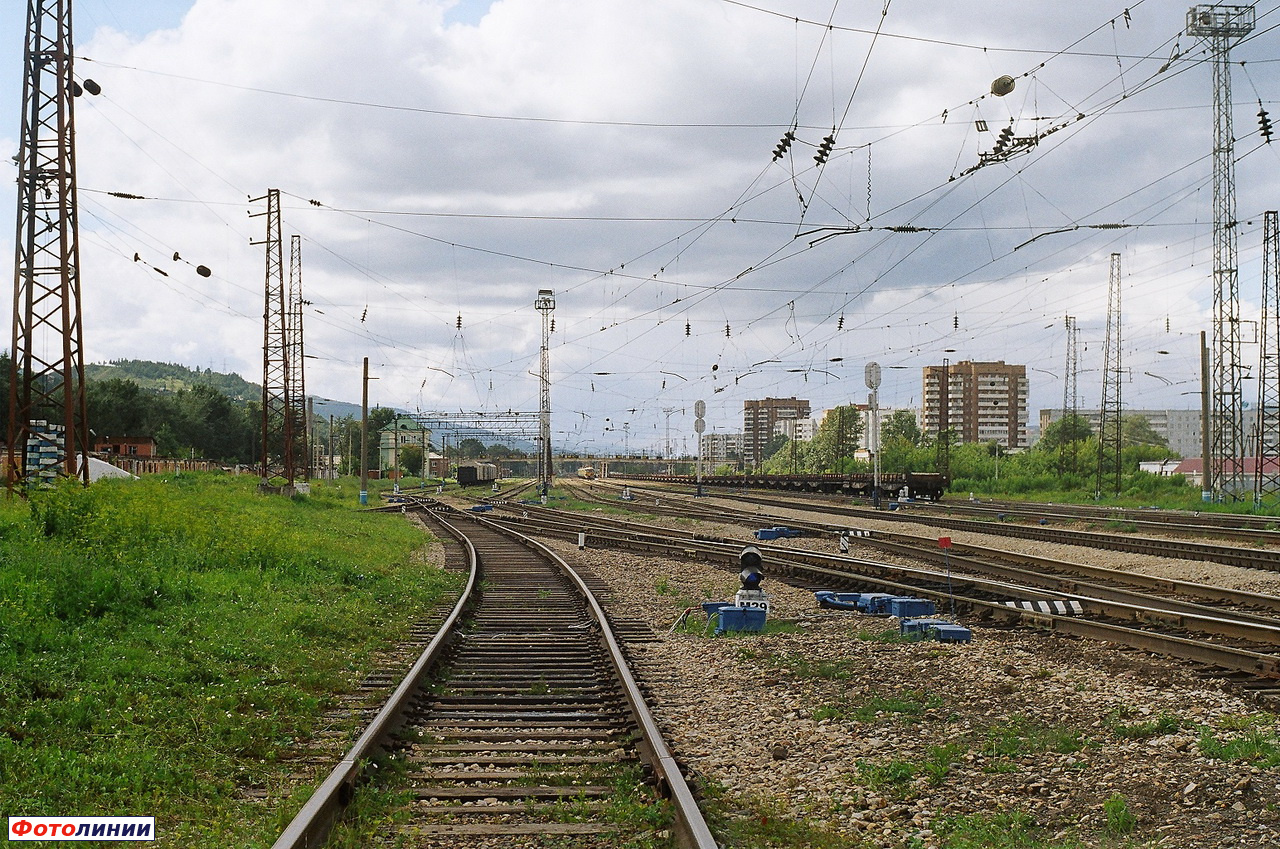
905 607
740 619
951 634
779 532
919 627
711 608
873 602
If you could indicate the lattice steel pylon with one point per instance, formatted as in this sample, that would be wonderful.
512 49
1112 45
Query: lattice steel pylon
1266 475
1110 427
545 304
1070 393
1218 25
48 427
277 455
295 360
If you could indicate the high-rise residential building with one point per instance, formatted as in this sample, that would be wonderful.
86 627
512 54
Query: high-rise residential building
1180 428
759 424
983 402
719 449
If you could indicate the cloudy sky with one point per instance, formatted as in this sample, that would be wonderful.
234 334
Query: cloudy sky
444 161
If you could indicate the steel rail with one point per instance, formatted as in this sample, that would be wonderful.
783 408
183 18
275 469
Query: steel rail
692 830
311 826
1265 559
926 548
1104 601
800 561
1206 522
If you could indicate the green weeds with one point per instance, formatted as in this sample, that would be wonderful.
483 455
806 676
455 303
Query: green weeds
169 641
1023 736
1120 820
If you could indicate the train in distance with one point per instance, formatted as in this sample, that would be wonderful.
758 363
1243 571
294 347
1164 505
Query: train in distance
587 472
474 474
924 485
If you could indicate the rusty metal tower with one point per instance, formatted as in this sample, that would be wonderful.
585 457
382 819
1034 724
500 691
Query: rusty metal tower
277 459
1218 26
545 304
297 384
48 428
1266 476
1111 428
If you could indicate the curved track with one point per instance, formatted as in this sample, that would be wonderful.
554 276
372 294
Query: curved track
521 722
1232 555
1239 640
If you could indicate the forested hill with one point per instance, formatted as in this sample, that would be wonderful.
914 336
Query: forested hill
171 377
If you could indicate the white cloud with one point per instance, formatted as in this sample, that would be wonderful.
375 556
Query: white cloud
666 111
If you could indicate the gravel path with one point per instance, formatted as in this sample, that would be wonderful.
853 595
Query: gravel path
889 742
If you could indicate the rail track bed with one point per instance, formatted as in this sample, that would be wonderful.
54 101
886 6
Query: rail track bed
527 729
525 722
1239 643
1180 549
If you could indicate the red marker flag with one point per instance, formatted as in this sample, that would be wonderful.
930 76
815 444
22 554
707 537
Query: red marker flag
944 542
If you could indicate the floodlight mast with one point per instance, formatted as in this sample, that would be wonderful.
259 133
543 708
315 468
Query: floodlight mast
1218 25
48 428
545 304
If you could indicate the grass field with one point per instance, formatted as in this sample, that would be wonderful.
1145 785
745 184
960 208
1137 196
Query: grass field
167 645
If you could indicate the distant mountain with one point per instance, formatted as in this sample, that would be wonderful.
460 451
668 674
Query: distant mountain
171 377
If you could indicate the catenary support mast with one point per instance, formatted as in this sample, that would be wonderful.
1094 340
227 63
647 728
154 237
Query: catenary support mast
48 430
1218 26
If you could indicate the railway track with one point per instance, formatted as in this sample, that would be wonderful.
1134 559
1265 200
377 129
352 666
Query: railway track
1231 555
1237 641
1228 525
521 721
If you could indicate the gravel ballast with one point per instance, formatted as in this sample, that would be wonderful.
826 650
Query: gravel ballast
891 743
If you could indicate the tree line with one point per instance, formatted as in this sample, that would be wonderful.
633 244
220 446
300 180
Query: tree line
1065 459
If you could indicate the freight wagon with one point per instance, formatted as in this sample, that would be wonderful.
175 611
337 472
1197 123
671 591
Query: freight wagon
474 474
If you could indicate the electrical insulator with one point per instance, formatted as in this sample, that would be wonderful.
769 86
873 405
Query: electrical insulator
459 324
840 323
784 144
726 329
553 325
824 149
955 322
688 331
1264 123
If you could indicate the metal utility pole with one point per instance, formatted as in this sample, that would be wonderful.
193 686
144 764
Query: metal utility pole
48 428
943 448
666 453
1110 429
871 376
364 435
1070 395
545 304
1266 475
277 415
1218 25
297 385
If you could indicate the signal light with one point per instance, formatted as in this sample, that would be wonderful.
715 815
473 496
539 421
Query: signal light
824 149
